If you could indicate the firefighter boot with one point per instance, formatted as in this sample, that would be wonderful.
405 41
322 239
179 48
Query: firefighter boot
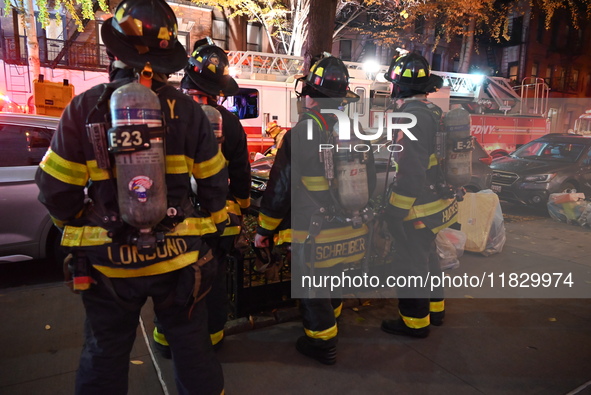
161 345
398 327
324 351
437 318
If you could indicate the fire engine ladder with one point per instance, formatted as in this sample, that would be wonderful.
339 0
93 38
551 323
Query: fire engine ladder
534 96
250 64
257 64
18 82
477 87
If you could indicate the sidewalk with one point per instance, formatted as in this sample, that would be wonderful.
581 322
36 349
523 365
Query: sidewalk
486 346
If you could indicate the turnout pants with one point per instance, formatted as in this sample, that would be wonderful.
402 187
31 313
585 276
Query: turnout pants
112 315
416 258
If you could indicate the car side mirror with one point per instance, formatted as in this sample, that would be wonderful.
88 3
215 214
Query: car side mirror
587 162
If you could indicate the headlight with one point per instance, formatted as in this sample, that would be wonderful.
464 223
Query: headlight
539 178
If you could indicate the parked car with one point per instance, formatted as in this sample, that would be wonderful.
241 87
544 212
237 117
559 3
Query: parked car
26 230
481 173
550 164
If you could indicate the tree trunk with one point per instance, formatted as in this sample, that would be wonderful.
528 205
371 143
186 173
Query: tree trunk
467 47
32 42
321 19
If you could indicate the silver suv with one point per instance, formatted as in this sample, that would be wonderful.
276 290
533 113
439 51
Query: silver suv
26 230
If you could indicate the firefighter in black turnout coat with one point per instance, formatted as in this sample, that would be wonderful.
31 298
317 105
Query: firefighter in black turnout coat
321 239
419 204
115 266
207 77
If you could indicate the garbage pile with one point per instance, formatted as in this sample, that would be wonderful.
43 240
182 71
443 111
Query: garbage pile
570 208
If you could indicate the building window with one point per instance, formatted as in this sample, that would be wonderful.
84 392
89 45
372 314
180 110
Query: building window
561 79
513 71
436 61
219 33
253 37
574 81
549 75
420 25
517 30
535 69
345 50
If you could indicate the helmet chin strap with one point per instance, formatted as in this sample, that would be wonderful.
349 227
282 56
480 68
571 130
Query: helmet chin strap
145 76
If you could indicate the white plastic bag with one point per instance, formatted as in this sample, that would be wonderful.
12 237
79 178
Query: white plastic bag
450 247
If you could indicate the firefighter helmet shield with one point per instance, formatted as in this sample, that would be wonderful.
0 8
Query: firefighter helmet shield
412 73
144 31
330 77
208 70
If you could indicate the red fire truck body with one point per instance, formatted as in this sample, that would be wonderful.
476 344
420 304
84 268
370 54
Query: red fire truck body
502 134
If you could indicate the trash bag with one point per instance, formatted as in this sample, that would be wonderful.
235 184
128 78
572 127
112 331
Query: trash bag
496 237
585 218
567 207
481 218
450 247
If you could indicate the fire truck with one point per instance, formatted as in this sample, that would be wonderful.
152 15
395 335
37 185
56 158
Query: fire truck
503 116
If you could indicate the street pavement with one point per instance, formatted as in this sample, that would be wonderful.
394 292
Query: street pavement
492 342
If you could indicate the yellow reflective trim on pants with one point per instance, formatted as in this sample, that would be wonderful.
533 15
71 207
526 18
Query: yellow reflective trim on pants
220 216
283 236
326 334
97 174
170 265
313 184
427 209
216 337
437 307
331 235
244 203
338 311
85 236
209 167
233 207
432 161
269 223
64 170
231 231
416 323
401 201
177 164
159 337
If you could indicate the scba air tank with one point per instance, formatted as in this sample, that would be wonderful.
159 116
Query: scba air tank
215 120
139 155
351 174
458 147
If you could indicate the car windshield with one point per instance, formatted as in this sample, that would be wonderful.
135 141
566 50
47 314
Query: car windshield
550 150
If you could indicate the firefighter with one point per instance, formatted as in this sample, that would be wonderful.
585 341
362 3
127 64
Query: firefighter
115 267
206 77
297 166
274 131
419 204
